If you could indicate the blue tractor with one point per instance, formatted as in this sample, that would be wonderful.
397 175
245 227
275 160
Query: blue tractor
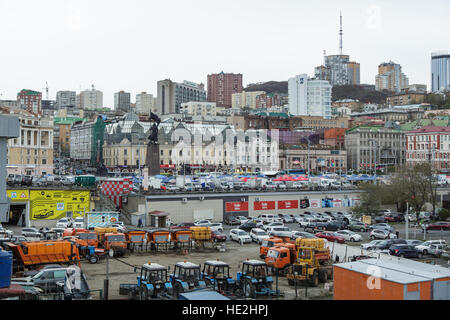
254 280
217 275
153 282
185 278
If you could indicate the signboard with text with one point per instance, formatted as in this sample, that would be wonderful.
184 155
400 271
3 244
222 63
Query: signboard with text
287 204
264 205
236 206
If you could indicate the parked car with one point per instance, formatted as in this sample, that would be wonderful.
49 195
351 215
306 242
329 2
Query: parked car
266 217
27 181
286 218
31 233
242 219
379 219
10 179
381 234
438 226
414 242
120 228
302 234
215 226
172 188
436 250
78 223
218 236
258 235
247 226
304 221
240 236
273 224
370 245
280 231
383 212
64 223
330 236
358 226
349 235
34 272
202 223
382 226
386 244
184 225
335 225
404 251
46 279
231 220
314 226
425 247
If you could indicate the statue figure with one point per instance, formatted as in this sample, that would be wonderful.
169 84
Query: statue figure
153 138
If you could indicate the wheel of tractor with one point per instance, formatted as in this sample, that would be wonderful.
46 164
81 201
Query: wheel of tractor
249 289
323 276
208 282
93 259
143 293
314 280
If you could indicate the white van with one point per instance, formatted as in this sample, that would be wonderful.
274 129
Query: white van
267 218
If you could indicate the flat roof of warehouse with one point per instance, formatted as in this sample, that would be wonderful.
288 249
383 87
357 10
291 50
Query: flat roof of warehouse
381 272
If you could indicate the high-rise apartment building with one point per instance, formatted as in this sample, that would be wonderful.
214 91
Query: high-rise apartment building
390 77
339 70
440 71
66 99
309 97
122 101
30 100
172 94
145 103
90 99
245 99
221 87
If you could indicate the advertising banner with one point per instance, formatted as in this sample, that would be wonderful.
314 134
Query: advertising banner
236 206
264 205
304 203
315 203
337 203
288 204
54 204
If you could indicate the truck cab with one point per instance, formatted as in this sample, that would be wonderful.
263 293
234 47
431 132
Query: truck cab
281 257
115 241
266 244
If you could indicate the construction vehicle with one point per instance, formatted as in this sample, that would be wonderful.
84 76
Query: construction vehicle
160 239
266 245
313 264
182 238
254 280
109 239
185 278
32 254
281 257
87 244
137 240
217 275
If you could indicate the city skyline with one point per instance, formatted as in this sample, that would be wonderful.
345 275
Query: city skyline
372 35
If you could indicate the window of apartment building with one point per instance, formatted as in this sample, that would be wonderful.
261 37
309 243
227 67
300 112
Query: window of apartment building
44 161
162 152
125 162
125 152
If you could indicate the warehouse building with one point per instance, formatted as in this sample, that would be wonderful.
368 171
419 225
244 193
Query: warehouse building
391 279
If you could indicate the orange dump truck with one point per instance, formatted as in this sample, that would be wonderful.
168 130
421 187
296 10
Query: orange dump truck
136 239
110 239
32 254
266 245
281 257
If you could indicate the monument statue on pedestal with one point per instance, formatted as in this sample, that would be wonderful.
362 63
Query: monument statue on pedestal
152 159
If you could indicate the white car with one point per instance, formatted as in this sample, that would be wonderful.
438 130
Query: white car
284 231
304 221
273 224
215 227
119 227
78 223
6 232
425 247
349 235
240 236
258 235
381 234
242 219
287 218
370 245
202 223
302 234
64 223
268 218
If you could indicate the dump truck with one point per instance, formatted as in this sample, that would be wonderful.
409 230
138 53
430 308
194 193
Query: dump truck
160 239
281 257
110 239
182 238
266 245
217 275
137 240
254 279
313 264
29 255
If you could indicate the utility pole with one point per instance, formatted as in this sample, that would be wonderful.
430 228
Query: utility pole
407 221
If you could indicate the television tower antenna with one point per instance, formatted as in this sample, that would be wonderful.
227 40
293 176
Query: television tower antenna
341 33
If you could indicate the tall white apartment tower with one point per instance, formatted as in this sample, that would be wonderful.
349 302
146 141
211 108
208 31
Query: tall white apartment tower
308 97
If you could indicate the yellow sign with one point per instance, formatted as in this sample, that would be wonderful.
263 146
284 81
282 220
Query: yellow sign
54 204
18 195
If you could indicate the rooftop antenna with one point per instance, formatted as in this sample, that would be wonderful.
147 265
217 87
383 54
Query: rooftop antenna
46 90
341 33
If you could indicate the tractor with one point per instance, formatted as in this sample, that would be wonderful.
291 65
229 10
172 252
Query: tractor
153 282
217 275
254 280
186 278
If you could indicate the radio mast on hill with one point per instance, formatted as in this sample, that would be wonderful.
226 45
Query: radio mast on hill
341 33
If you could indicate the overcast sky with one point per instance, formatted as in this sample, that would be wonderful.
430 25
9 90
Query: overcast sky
130 45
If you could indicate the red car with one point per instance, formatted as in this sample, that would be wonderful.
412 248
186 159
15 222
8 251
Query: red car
218 236
439 226
330 236
388 218
184 225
